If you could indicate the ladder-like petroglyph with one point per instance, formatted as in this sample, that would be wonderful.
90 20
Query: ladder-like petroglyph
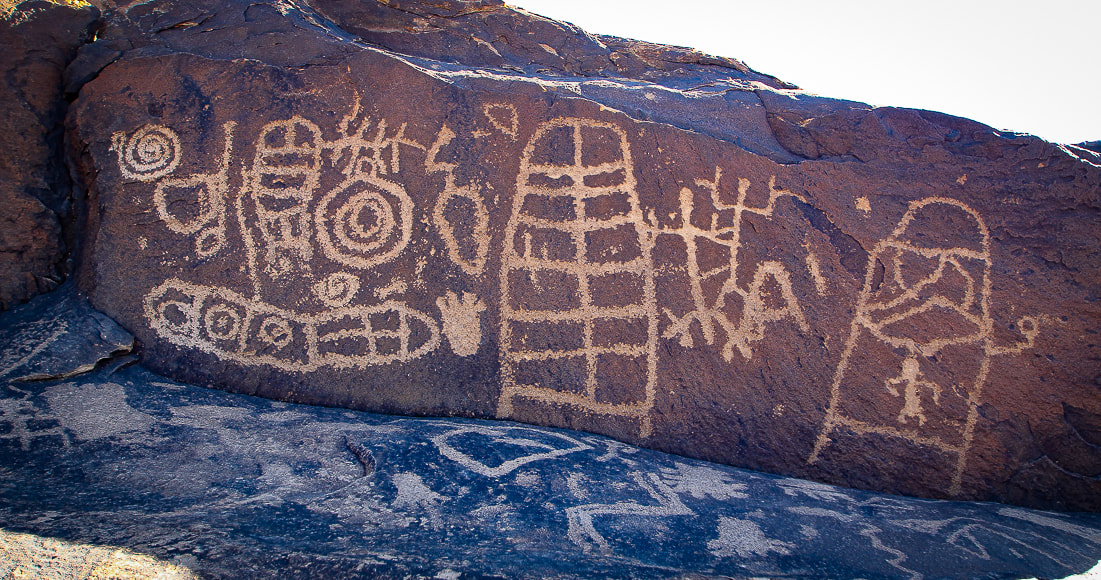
578 307
926 296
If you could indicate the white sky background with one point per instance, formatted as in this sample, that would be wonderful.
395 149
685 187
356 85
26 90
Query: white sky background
1031 66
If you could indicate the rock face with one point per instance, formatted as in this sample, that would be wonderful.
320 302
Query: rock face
457 208
36 43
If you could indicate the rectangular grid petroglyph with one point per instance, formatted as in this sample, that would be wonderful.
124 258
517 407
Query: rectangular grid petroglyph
583 224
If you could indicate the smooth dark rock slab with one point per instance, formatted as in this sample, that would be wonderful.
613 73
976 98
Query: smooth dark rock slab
231 486
686 255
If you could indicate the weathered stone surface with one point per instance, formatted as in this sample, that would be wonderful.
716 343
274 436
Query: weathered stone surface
190 482
37 41
691 256
59 336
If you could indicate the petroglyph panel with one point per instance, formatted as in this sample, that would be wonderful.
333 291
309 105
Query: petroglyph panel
550 261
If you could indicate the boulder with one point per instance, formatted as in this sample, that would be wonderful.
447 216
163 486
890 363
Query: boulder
461 209
37 41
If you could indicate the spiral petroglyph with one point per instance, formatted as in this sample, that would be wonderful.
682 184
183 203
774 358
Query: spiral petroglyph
337 290
149 154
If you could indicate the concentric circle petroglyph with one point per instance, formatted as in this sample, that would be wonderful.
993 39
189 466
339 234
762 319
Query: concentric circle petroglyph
364 223
276 331
151 153
222 322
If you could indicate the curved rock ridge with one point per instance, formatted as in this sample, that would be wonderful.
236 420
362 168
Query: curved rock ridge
462 209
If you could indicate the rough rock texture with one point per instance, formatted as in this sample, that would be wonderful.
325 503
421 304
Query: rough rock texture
121 473
454 208
37 42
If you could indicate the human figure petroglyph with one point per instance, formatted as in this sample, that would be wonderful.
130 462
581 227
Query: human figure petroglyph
912 382
709 313
285 173
926 292
576 231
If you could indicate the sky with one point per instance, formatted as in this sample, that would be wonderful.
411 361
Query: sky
1026 66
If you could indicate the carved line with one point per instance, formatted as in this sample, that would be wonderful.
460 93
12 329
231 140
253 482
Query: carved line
498 436
211 191
582 530
755 313
480 237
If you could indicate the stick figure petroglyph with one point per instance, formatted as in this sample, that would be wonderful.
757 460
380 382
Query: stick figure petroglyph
912 382
709 314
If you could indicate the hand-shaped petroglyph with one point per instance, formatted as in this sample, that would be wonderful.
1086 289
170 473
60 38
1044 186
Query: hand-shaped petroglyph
462 321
